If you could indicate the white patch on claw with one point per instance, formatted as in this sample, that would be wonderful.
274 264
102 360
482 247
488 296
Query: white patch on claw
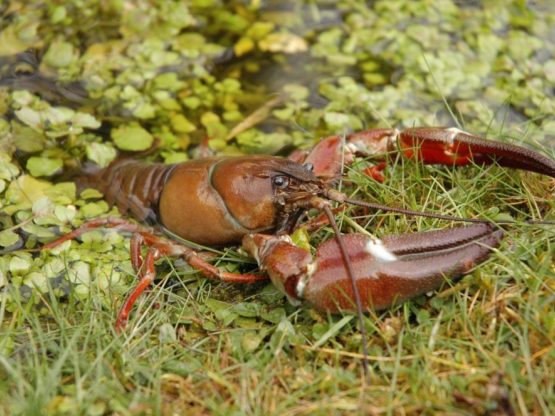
394 136
376 248
453 131
287 238
256 256
303 281
353 147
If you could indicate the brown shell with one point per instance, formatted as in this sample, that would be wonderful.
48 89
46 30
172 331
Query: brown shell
217 201
133 186
212 201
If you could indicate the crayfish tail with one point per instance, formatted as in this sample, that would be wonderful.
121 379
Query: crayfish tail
133 186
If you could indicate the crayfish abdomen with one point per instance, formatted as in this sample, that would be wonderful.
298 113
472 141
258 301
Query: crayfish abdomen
133 186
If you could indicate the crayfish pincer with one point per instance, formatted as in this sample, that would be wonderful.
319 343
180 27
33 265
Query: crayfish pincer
259 200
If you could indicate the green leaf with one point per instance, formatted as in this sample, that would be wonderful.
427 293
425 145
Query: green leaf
296 92
283 42
214 127
37 280
43 166
7 169
85 120
301 238
19 265
254 141
60 54
90 193
53 266
191 102
62 193
38 231
166 333
333 331
284 113
94 209
260 29
12 41
8 238
180 124
243 46
168 81
42 206
132 137
283 335
101 153
25 190
58 14
336 121
274 315
176 157
22 98
247 309
28 140
64 214
30 117
144 111
182 367
549 70
251 341
79 272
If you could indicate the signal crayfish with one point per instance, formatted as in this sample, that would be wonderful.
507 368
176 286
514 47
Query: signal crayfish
259 200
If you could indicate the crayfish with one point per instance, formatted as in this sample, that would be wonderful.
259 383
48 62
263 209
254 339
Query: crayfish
259 200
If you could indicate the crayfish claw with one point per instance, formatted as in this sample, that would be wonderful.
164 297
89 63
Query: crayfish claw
386 272
452 146
430 145
423 262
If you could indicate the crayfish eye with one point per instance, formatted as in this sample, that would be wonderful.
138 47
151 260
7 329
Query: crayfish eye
280 181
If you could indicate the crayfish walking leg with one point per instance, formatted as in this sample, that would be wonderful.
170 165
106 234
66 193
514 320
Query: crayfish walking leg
157 247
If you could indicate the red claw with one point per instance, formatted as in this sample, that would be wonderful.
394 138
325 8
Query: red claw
387 272
431 145
451 146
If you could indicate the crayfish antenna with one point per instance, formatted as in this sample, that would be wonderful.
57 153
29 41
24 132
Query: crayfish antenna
404 211
340 197
351 274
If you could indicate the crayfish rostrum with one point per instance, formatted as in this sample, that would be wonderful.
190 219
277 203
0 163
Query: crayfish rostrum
259 200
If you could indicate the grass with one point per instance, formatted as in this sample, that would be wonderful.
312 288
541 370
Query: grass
480 345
